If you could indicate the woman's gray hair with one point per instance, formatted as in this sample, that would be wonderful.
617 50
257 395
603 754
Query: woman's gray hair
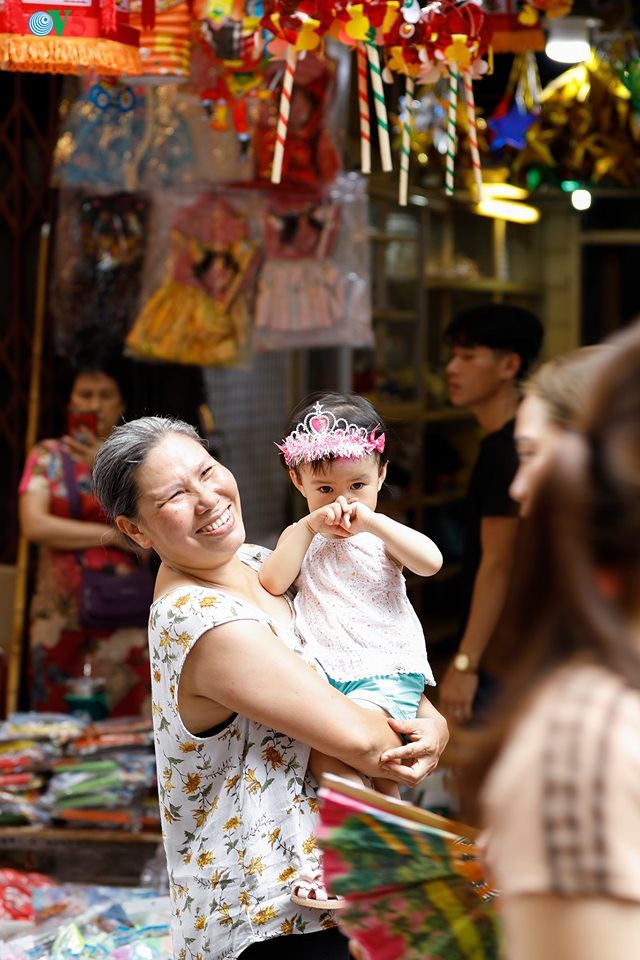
121 456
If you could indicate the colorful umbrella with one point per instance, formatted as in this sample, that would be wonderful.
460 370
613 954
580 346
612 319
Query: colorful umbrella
412 880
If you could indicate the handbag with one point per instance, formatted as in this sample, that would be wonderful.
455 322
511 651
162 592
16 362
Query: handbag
108 600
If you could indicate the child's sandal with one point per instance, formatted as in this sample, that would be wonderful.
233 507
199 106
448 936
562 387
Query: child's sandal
310 891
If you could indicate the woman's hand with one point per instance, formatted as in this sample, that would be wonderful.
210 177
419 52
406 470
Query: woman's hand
412 762
84 445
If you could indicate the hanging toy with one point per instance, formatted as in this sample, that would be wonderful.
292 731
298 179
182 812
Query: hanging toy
295 31
519 108
459 35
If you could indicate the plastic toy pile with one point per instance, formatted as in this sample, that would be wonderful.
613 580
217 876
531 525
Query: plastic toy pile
40 919
57 769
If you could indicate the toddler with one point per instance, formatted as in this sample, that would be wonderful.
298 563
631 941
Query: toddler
346 562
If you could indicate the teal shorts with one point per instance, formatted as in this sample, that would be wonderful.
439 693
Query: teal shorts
398 695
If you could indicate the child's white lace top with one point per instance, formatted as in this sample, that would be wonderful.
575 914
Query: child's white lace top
352 603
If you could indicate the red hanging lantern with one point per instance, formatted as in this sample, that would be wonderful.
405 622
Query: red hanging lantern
515 27
166 44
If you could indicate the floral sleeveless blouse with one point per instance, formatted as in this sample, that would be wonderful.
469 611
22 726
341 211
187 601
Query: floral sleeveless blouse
238 808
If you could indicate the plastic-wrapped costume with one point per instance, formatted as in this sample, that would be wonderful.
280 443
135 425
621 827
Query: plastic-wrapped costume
200 314
98 257
313 289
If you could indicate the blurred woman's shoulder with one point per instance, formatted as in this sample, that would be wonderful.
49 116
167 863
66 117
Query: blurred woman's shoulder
564 795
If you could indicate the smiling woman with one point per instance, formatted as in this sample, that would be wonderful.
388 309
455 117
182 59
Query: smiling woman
238 702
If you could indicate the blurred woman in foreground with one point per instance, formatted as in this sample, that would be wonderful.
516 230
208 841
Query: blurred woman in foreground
554 400
560 765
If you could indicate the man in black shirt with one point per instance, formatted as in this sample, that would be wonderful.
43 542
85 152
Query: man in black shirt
493 347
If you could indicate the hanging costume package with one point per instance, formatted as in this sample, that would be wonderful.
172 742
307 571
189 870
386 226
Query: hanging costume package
98 257
199 284
313 289
117 137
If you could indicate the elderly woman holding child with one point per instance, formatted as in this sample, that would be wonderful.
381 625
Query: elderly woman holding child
239 702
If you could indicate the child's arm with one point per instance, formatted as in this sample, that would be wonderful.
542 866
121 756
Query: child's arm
408 547
281 568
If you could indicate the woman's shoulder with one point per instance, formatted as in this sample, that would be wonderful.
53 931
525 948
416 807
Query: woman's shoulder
43 461
253 555
209 603
578 751
575 711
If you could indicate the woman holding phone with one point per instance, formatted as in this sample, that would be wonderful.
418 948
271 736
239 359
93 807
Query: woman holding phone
59 514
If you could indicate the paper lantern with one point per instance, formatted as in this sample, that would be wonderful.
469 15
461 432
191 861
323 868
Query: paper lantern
165 47
57 37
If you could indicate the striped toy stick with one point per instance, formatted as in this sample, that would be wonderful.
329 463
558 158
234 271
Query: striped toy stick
283 114
380 105
363 105
451 128
405 149
473 132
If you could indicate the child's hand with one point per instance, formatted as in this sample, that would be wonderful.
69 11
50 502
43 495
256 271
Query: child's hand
359 517
332 519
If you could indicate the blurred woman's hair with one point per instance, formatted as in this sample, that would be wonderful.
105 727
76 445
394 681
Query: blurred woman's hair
88 349
575 586
563 383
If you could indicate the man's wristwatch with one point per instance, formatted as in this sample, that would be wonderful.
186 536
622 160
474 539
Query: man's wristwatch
464 664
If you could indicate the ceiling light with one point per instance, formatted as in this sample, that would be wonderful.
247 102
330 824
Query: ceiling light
569 38
581 199
507 210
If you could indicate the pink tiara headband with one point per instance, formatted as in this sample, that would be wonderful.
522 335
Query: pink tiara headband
321 434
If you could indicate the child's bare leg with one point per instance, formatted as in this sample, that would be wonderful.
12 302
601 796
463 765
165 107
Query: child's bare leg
320 764
388 787
308 888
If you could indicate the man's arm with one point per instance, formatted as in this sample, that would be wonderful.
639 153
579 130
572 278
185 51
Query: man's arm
497 539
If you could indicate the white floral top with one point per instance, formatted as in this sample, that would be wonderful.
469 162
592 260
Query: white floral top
238 807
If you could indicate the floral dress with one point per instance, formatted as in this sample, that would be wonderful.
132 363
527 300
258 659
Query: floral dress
58 644
238 806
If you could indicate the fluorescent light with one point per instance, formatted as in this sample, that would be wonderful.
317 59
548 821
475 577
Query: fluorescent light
504 191
569 38
507 210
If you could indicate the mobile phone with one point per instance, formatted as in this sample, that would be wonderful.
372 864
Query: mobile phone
81 418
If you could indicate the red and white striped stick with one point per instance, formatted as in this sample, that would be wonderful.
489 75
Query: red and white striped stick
451 128
473 132
363 105
283 114
405 149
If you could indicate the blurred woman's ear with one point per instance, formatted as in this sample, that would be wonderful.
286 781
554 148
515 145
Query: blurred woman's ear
131 529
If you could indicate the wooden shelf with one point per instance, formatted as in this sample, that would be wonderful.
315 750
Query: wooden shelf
483 285
443 498
26 836
378 236
394 316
